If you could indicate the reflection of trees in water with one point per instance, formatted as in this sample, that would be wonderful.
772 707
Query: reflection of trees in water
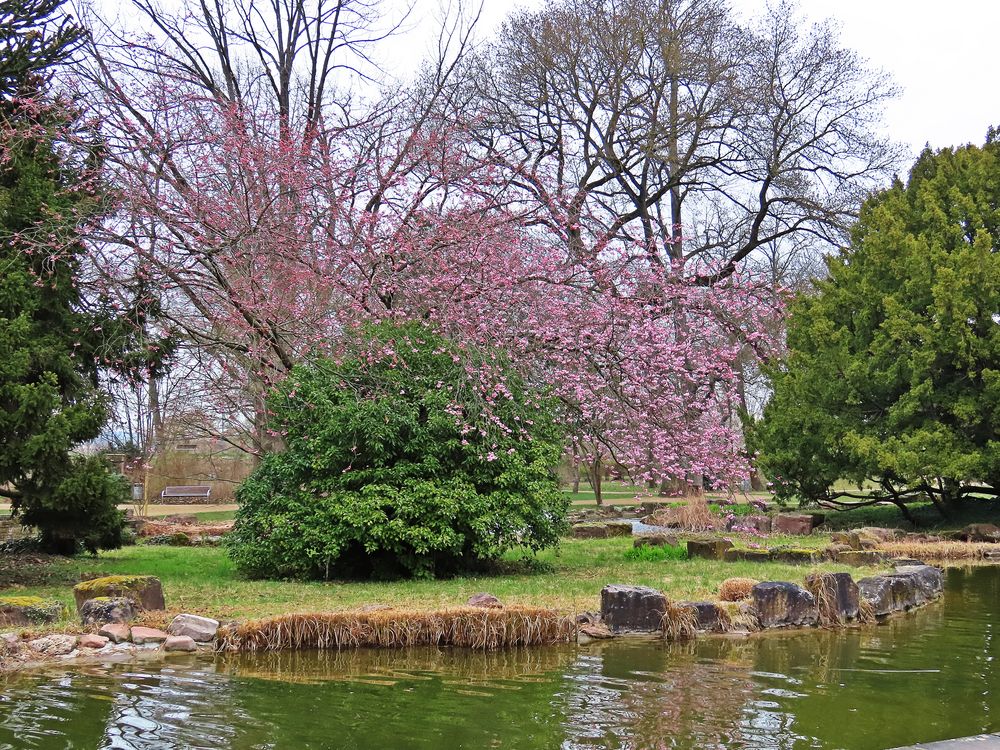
650 695
387 665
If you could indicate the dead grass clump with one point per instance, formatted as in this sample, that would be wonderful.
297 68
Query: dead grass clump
465 627
866 611
736 589
693 515
942 550
824 591
679 622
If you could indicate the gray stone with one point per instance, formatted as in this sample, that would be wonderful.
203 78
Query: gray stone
108 609
632 608
117 632
483 599
747 555
860 557
29 610
981 532
179 643
838 598
200 629
146 591
53 645
909 587
779 604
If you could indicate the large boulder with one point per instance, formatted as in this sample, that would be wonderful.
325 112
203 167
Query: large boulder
146 591
796 555
105 609
981 532
709 549
747 555
707 616
200 629
910 586
632 608
838 598
860 557
796 524
779 604
21 611
755 524
655 540
53 645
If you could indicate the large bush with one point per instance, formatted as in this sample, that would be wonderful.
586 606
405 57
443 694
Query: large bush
409 455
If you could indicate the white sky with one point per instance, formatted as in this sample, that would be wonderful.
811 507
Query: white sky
944 55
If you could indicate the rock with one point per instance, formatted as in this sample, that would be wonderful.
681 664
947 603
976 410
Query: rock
747 555
757 524
182 519
103 609
779 604
799 525
200 629
587 618
53 645
597 631
707 616
860 557
29 610
89 640
116 632
831 551
850 539
632 608
655 540
838 598
713 549
898 562
981 532
880 533
10 639
818 519
483 599
141 635
146 591
795 556
601 530
909 587
179 643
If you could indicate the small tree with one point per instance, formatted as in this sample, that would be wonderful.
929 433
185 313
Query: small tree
49 346
892 375
409 455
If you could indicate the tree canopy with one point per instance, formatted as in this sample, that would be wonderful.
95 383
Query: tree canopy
892 374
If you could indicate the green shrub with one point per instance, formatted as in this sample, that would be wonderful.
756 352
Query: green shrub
409 456
656 554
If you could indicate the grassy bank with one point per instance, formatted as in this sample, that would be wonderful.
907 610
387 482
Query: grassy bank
203 580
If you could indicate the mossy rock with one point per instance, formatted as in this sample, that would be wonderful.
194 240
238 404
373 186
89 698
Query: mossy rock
145 591
29 610
795 555
738 554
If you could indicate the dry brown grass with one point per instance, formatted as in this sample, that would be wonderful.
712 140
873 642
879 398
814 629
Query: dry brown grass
159 528
736 589
866 611
679 623
942 550
824 591
693 515
465 627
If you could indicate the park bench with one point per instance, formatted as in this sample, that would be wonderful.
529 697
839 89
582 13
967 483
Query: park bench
186 492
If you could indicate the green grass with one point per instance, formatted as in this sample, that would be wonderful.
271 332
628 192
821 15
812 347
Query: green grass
202 580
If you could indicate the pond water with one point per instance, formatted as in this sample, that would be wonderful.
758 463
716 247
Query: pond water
931 675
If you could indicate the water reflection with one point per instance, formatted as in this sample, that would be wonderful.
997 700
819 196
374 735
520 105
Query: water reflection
927 676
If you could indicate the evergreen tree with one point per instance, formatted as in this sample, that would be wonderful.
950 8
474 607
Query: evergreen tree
49 346
892 375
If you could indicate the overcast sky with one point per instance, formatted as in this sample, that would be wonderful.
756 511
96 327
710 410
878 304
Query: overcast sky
944 55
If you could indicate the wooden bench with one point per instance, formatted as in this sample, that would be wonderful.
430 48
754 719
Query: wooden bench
186 492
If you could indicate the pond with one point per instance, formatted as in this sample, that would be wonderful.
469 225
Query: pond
930 675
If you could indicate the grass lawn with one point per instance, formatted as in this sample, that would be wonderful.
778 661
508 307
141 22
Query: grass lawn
202 580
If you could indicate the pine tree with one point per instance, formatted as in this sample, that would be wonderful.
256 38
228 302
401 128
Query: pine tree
50 402
892 377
